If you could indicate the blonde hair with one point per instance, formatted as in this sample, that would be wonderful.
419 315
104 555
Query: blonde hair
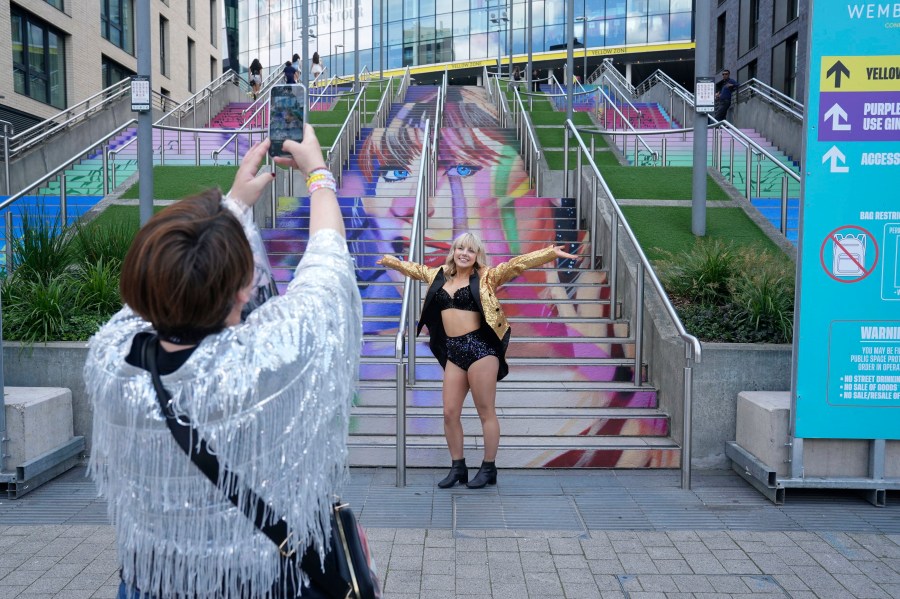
465 240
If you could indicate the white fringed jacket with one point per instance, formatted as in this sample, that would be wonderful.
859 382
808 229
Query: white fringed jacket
271 397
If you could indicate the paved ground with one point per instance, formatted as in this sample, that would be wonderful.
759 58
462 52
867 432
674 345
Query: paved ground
553 534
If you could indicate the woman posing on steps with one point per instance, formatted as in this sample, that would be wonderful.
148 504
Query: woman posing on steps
469 334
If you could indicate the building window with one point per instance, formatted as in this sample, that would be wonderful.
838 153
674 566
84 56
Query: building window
720 43
748 26
164 46
213 67
190 60
190 12
39 59
55 3
784 66
113 72
747 72
784 12
117 23
213 29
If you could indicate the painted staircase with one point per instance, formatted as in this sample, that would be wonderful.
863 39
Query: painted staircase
569 400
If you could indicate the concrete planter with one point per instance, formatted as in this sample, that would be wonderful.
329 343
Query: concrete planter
57 364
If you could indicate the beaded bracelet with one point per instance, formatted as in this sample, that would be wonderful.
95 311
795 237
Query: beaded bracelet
320 178
323 184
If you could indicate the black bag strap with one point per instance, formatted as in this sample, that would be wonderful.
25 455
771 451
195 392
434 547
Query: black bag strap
255 508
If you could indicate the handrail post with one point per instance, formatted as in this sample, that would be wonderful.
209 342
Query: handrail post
748 178
6 156
759 160
63 200
731 161
784 204
662 161
401 425
612 270
639 325
112 173
578 187
594 210
9 241
566 163
687 423
105 159
196 149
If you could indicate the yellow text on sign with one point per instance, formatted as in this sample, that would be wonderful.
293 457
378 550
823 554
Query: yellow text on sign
860 74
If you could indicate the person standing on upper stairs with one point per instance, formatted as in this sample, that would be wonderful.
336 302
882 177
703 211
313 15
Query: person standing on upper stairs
469 334
724 90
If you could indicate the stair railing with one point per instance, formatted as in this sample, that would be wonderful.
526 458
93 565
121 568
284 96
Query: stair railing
262 96
18 143
757 89
609 69
412 292
324 92
7 131
722 128
554 81
638 136
643 269
379 118
404 85
528 144
345 142
318 79
259 117
486 83
620 95
501 104
438 123
53 173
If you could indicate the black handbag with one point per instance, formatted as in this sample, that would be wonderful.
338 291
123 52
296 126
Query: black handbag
349 569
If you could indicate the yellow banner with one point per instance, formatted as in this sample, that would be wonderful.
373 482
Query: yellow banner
860 74
541 56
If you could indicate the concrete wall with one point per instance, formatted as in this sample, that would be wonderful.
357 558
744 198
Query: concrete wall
780 128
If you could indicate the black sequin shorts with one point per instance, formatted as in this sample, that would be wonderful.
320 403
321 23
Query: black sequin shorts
468 349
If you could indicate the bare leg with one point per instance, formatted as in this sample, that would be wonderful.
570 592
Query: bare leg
453 394
483 381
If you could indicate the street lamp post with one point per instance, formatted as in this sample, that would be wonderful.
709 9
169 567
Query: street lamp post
584 21
336 46
499 19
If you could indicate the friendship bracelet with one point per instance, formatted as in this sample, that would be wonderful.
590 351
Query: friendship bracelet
322 184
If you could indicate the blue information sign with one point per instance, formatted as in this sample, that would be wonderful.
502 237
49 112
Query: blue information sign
847 383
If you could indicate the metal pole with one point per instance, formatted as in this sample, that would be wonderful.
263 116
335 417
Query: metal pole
701 68
784 204
381 39
509 31
63 200
6 169
638 324
304 56
9 243
529 45
355 45
687 427
566 161
401 425
145 119
105 159
570 49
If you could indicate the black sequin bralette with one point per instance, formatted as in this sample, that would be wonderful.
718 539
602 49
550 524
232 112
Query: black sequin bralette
462 300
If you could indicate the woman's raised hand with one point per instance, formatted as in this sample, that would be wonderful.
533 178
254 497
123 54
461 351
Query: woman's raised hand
560 253
380 261
249 181
306 155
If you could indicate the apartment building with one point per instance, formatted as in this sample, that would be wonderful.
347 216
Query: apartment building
55 53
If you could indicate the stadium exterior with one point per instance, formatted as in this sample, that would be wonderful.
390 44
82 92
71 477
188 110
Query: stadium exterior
463 35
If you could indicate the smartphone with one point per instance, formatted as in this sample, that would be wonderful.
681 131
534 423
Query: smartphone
286 116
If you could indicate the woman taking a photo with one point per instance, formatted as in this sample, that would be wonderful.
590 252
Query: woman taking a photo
270 397
469 335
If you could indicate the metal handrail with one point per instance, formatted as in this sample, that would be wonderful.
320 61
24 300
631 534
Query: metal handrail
500 102
315 81
323 92
49 125
406 328
692 348
404 85
619 93
486 82
608 67
638 137
553 80
756 88
379 117
346 137
529 144
182 109
262 108
262 96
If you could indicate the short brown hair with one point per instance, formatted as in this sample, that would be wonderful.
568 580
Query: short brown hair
185 267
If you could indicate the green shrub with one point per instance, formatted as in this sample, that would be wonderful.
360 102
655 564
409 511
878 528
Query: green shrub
44 247
724 294
94 243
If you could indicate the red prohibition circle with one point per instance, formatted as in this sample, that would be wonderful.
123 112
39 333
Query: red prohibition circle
830 237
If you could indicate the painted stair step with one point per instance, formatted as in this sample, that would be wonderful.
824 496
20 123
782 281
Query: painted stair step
633 452
511 394
536 372
541 422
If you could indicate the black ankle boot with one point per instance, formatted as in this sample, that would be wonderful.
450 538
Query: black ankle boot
487 475
458 473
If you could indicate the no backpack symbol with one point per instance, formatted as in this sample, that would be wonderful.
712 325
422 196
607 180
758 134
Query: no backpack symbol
849 254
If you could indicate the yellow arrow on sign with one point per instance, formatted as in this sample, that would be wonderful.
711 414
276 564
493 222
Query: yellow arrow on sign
860 74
